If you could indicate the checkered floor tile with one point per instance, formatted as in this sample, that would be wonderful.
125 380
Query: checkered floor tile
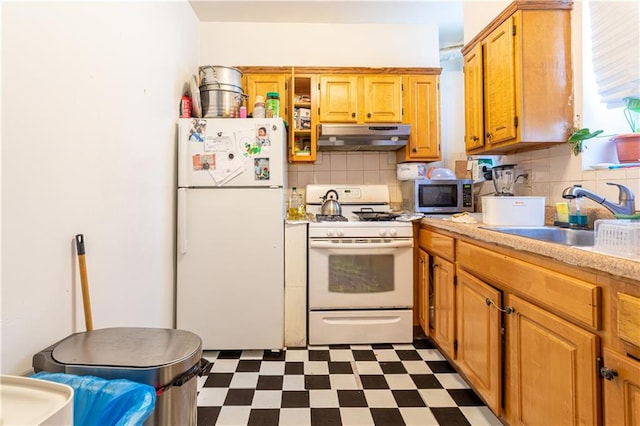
384 384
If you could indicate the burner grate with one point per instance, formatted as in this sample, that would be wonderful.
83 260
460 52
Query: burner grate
330 218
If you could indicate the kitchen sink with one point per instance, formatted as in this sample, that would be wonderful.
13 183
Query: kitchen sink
550 234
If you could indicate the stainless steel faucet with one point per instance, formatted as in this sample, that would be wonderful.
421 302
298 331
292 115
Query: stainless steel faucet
626 198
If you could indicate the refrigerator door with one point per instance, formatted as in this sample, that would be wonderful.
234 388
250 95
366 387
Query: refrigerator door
230 267
231 152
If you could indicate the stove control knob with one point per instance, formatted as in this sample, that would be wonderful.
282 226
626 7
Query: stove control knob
393 232
339 233
330 233
384 232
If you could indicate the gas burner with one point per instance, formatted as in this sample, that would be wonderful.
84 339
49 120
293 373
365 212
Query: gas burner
330 218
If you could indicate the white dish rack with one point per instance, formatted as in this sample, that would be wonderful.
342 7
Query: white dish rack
618 237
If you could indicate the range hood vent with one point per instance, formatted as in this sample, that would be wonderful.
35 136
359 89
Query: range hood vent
362 137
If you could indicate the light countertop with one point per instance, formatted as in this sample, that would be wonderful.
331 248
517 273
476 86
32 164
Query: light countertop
575 256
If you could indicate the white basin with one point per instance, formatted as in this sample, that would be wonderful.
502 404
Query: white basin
27 401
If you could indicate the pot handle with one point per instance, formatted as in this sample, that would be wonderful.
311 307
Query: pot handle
328 192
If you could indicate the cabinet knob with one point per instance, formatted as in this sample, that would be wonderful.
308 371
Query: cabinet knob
368 115
414 149
435 265
353 115
608 373
488 135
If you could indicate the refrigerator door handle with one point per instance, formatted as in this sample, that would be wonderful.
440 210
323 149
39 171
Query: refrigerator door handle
182 158
182 221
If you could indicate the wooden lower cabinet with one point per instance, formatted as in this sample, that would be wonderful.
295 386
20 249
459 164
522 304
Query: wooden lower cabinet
443 328
423 290
478 333
550 374
621 394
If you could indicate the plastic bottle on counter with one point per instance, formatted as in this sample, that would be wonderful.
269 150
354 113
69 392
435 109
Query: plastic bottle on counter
258 107
294 202
273 104
302 209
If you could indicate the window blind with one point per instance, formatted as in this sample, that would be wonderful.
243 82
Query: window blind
615 37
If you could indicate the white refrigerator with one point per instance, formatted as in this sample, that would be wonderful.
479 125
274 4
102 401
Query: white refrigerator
230 232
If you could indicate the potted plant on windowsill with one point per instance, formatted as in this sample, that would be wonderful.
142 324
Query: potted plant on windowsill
627 144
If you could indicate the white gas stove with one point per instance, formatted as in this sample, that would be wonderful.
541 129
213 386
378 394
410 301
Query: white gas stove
360 269
366 212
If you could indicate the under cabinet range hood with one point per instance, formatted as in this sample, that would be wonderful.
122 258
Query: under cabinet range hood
362 137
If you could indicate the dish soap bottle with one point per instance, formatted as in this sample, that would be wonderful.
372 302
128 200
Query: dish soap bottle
294 203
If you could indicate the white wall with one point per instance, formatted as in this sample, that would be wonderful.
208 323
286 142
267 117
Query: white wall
90 94
286 44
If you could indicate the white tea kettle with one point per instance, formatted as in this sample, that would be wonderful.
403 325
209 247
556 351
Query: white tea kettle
330 206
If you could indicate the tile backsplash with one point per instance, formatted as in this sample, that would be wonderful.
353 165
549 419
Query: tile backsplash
338 168
556 168
552 170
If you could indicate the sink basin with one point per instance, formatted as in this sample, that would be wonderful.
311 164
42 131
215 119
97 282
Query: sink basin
550 234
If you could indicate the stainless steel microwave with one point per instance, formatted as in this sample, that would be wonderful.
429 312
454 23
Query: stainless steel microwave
437 195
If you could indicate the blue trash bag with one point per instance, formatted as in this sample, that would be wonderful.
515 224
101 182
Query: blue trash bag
99 402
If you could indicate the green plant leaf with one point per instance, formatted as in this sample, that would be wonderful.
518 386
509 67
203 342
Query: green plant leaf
632 103
583 134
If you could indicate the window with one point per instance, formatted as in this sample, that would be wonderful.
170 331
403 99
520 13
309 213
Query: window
615 38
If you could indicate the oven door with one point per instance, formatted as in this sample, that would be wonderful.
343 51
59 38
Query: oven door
360 273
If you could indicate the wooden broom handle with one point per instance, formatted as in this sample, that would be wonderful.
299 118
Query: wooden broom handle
86 301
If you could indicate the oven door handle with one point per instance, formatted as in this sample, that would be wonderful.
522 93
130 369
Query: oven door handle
327 244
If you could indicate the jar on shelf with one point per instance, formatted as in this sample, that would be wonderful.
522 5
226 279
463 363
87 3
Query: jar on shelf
258 107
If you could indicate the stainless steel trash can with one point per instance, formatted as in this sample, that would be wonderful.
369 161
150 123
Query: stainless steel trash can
167 359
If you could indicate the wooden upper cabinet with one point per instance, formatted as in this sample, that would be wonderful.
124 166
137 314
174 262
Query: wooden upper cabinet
422 111
382 101
527 86
338 99
261 84
348 98
499 88
473 99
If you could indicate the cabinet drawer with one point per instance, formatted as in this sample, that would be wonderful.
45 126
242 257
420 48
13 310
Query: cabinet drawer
567 296
440 245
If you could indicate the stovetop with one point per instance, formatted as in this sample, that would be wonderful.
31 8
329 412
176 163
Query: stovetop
365 212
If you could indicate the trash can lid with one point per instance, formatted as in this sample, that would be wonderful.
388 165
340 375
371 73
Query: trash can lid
128 347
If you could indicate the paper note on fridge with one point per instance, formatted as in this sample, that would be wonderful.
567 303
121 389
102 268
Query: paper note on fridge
218 144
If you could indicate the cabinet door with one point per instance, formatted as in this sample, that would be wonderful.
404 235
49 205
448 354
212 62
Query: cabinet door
423 111
500 84
478 322
551 368
423 290
382 99
443 305
338 99
261 84
473 99
622 394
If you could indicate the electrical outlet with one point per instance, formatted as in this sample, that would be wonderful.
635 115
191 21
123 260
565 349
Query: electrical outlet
528 177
